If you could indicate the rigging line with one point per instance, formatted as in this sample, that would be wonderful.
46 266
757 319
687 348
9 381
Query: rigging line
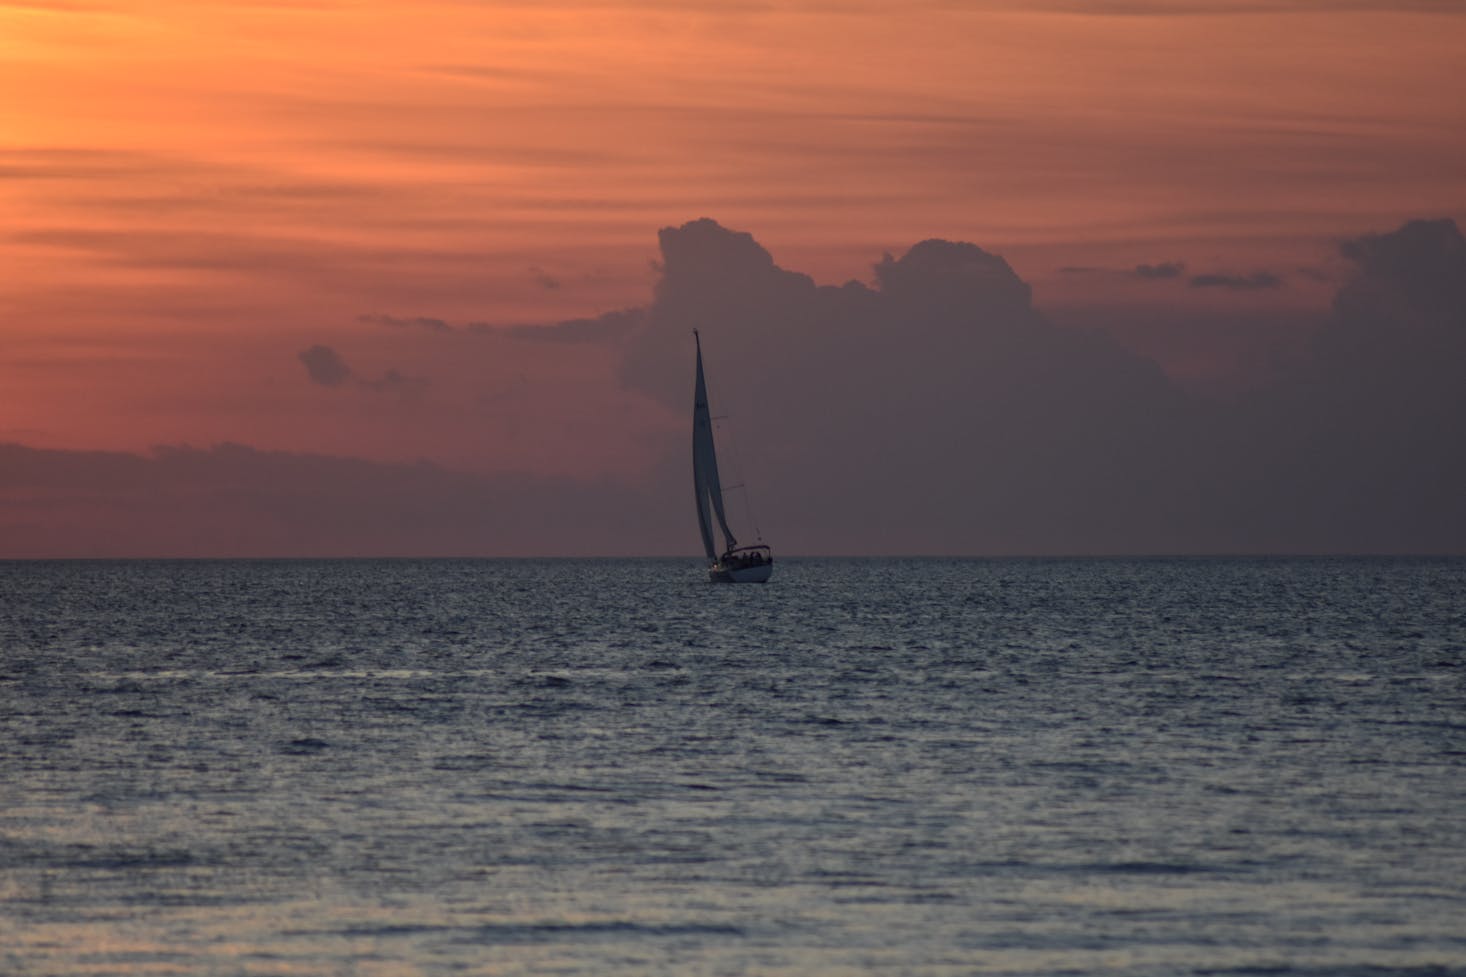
742 483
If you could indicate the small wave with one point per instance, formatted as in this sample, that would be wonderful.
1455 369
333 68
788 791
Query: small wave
536 932
1365 970
1147 868
545 681
781 776
466 761
490 933
129 861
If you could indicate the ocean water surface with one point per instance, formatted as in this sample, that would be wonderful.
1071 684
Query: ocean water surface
926 767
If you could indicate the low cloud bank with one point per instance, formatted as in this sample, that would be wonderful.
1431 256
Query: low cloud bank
233 500
936 410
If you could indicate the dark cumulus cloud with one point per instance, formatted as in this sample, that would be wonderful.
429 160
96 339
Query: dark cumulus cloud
938 410
1424 257
1363 435
324 366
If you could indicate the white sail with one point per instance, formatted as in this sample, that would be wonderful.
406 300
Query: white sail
705 482
737 564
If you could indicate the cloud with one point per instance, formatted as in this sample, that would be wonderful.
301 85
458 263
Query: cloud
1238 283
940 411
953 278
325 366
61 164
604 329
399 322
609 328
235 500
55 6
1320 275
1406 296
936 410
1214 8
1159 271
1162 270
1424 258
393 382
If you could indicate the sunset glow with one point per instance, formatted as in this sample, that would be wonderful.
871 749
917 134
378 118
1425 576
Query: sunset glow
192 193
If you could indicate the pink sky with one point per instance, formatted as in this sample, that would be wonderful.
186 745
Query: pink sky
192 194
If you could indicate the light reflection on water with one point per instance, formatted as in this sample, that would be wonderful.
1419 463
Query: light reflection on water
504 767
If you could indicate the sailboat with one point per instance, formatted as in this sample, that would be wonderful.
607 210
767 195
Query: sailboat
736 564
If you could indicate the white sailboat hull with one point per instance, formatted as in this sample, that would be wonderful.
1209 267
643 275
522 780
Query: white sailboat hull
717 573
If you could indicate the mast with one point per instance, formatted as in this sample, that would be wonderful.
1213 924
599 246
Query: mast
705 483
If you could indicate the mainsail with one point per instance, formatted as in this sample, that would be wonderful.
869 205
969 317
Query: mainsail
705 483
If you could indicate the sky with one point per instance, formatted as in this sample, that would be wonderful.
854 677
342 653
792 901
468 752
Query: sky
319 277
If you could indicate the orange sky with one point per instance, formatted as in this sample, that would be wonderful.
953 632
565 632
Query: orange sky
192 192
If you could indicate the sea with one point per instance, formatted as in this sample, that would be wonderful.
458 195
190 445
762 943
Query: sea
1223 767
